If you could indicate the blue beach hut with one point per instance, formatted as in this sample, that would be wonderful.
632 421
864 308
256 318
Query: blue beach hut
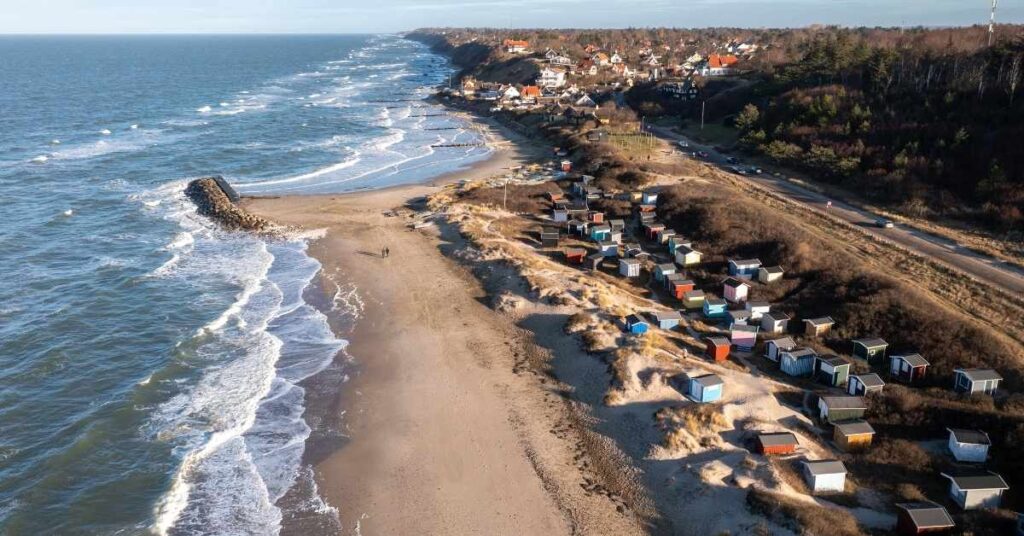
704 389
715 308
636 325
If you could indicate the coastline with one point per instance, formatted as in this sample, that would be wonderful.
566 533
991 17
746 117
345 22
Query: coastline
444 431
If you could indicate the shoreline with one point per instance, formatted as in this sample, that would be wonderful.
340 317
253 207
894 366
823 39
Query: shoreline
439 428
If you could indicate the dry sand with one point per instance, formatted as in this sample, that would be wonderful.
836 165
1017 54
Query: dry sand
448 434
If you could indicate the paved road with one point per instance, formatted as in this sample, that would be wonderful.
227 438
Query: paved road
981 267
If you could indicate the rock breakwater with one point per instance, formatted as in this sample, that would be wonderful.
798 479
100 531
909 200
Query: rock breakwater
215 199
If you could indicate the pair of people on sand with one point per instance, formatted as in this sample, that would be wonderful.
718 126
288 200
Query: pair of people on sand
385 252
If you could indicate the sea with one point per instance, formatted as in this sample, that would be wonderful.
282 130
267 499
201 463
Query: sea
155 370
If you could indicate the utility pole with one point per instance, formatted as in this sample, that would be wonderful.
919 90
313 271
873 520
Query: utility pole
703 106
992 24
504 197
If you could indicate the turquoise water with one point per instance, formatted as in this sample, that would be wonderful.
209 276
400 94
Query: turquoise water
154 368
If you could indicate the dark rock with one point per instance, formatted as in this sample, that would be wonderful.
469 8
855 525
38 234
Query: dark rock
215 199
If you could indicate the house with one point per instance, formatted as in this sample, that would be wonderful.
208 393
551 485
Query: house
662 270
715 308
586 102
922 517
509 93
757 309
869 349
693 299
745 268
513 46
797 362
530 93
816 327
774 348
549 237
907 368
743 337
735 290
717 348
594 260
636 325
629 267
575 255
615 59
608 248
740 317
687 256
831 370
976 489
600 59
864 384
678 286
769 274
706 388
825 476
551 78
601 232
649 198
833 409
853 435
667 319
969 445
777 443
774 322
719 65
974 381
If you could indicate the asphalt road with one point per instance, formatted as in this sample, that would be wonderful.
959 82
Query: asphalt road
982 267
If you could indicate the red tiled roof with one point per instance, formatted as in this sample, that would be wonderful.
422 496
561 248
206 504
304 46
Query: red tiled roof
716 61
531 91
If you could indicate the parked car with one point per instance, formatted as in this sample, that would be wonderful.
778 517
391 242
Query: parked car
884 223
754 170
683 143
738 170
732 160
702 154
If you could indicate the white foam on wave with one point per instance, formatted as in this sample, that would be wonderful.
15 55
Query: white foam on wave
105 132
345 164
41 159
204 109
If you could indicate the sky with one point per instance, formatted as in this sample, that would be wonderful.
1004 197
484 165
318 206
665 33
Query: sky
372 16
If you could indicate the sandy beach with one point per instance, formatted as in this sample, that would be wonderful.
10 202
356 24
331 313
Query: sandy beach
449 433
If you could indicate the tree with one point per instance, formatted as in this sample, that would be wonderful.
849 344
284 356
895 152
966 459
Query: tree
747 119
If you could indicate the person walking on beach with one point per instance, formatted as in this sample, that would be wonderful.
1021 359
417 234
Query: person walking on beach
387 251
383 252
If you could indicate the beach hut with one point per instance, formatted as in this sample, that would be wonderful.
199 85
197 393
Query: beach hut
739 317
975 381
777 443
831 370
600 232
969 445
717 348
667 319
687 256
833 409
648 208
816 327
577 227
636 325
869 349
715 308
693 299
596 217
595 260
646 218
678 286
973 489
774 322
706 388
907 368
560 214
649 198
769 274
676 242
617 225
853 435
774 348
864 384
743 337
575 255
825 476
629 267
664 235
608 248
921 518
757 309
662 270
745 268
735 290
652 230
797 362
632 249
549 237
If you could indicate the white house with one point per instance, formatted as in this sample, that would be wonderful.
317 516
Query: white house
509 93
774 322
969 445
863 384
551 78
773 348
615 59
825 476
976 489
735 290
757 309
585 102
649 198
629 267
974 381
687 256
767 274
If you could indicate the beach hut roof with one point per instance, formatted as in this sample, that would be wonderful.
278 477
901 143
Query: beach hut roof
719 341
777 439
745 262
825 467
977 480
744 329
914 360
854 427
709 380
973 437
871 342
735 283
870 380
772 269
634 319
775 316
834 360
715 301
979 375
820 321
666 315
927 515
802 352
785 343
844 402
693 294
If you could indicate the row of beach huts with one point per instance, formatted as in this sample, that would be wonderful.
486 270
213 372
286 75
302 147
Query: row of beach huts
745 320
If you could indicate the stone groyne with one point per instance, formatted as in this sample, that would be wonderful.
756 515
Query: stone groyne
216 199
